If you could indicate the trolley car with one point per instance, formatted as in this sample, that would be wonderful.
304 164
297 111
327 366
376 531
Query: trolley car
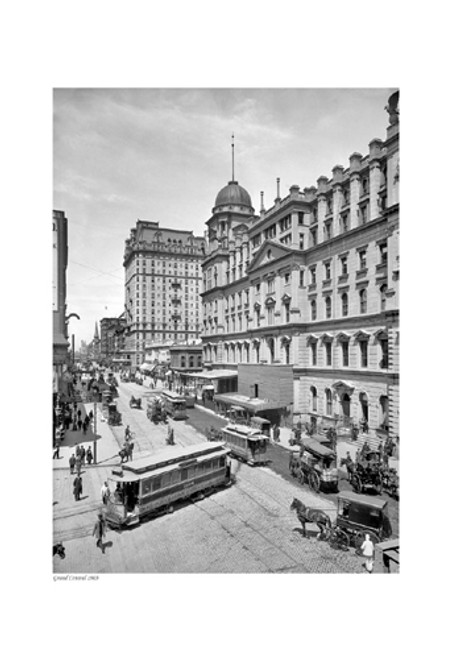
175 405
246 443
150 485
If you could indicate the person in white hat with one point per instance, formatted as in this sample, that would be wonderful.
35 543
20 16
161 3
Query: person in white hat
367 549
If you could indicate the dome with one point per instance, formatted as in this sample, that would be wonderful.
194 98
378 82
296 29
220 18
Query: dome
233 194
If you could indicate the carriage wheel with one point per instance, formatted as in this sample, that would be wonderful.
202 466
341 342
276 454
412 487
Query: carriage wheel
301 477
341 540
314 481
356 484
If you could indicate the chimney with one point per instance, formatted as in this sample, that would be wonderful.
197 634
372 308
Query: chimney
278 190
262 207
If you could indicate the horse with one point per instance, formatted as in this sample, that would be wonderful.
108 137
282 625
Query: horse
312 515
59 549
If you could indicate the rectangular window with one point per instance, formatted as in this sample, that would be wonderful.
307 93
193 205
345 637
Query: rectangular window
313 275
301 278
383 253
327 271
364 354
313 349
344 265
328 345
345 352
362 259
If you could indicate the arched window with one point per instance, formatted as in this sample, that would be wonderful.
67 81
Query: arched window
344 304
328 302
383 291
313 309
314 399
363 300
271 347
383 412
328 402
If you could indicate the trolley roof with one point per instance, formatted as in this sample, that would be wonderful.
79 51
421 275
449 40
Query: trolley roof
313 446
374 502
171 455
130 477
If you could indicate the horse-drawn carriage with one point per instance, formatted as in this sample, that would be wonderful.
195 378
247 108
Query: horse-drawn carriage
366 472
316 465
156 410
357 515
114 416
135 403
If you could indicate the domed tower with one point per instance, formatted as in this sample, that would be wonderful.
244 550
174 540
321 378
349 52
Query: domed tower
227 257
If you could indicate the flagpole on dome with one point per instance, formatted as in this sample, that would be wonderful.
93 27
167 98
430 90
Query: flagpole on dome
233 159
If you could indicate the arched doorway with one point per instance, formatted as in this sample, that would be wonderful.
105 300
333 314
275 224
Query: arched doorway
346 405
363 398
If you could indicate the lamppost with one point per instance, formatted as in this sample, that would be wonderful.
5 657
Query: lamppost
95 432
67 318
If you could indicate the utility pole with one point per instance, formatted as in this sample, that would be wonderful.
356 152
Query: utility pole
95 432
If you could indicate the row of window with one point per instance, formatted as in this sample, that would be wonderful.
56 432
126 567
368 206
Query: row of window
344 349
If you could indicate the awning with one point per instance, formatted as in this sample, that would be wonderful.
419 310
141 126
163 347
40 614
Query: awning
252 404
147 367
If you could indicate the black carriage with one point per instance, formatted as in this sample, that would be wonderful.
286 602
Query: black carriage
114 416
316 465
358 515
367 472
135 403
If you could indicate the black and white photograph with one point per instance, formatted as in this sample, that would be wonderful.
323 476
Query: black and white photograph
226 333
203 410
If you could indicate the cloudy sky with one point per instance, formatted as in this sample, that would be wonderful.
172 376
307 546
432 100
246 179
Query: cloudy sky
163 154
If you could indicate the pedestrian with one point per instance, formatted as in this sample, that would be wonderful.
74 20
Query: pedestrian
349 465
83 454
79 414
56 452
127 433
131 446
85 427
354 433
78 451
367 550
89 456
99 532
78 464
91 416
72 463
105 493
78 487
79 423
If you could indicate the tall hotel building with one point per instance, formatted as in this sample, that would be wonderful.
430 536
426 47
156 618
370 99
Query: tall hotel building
302 300
162 287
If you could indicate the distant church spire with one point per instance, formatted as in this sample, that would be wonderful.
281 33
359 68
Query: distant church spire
96 333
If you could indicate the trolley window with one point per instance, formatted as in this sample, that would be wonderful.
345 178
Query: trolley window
184 474
156 483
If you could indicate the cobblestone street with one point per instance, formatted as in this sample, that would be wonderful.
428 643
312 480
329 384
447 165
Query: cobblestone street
247 528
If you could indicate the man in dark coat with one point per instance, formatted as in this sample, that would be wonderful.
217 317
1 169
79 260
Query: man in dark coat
99 532
72 463
78 487
89 456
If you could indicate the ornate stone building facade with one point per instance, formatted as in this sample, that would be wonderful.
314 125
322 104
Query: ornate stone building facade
312 282
162 287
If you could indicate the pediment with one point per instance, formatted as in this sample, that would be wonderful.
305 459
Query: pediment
270 251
